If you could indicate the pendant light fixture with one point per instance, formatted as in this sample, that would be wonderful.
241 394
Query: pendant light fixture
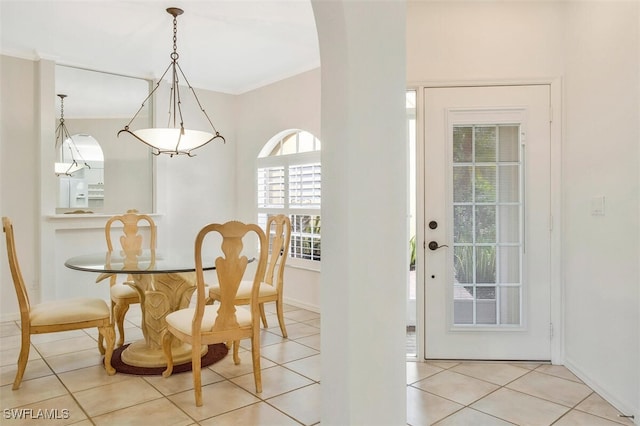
174 139
65 143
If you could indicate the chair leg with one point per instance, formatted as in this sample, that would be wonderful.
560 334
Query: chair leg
167 338
119 311
255 355
101 346
236 357
109 335
263 315
101 340
197 379
280 312
22 358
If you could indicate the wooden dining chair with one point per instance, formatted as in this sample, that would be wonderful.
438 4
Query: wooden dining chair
207 324
122 294
59 315
278 229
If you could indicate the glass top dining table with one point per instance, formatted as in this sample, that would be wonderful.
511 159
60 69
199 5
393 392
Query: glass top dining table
164 283
139 262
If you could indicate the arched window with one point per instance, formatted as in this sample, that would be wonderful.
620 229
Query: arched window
289 182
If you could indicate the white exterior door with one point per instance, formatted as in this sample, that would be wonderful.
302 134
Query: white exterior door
487 223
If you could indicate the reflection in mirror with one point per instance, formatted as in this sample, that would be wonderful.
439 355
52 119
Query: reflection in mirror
76 152
118 175
69 158
81 173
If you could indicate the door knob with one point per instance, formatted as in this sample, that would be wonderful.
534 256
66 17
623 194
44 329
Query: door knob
433 245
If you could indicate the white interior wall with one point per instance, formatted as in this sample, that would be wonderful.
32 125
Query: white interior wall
483 41
19 187
593 47
602 94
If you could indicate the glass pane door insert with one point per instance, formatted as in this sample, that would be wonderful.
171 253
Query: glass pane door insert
487 225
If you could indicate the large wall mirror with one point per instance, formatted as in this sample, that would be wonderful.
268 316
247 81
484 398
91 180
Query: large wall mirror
96 170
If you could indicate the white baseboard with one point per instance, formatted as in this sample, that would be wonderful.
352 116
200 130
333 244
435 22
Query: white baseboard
611 399
302 305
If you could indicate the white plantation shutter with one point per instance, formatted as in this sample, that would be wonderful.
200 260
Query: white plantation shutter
304 185
271 187
289 181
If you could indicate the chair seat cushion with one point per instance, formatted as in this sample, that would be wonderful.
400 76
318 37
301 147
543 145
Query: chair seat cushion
181 319
121 291
244 291
69 311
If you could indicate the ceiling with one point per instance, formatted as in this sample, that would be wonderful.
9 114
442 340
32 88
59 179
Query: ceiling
229 46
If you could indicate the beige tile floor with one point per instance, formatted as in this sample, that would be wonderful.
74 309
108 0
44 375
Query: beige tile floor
64 373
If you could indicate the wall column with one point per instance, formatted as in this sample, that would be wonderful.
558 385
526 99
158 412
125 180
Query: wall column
364 211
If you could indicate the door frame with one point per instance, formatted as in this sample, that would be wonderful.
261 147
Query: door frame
555 219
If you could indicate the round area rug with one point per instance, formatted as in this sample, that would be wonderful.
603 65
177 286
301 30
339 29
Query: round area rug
215 353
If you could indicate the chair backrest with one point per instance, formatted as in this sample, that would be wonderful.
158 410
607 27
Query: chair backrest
130 240
230 269
16 274
279 229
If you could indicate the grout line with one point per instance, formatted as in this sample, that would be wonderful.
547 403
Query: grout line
557 376
71 394
572 409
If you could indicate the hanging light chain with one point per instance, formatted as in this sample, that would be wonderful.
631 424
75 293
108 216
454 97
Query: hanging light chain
62 133
62 107
175 55
175 104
